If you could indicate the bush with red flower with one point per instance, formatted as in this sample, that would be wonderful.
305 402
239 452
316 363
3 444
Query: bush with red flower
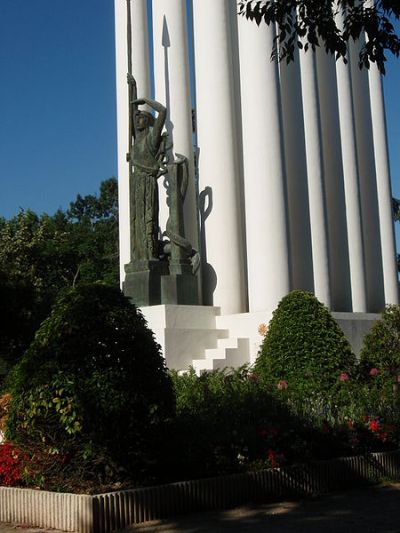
380 355
10 465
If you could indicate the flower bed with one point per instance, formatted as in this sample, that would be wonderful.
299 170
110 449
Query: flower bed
113 511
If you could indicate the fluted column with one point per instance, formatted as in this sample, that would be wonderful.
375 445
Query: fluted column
390 275
367 173
219 177
351 185
334 183
315 171
140 70
296 176
172 88
264 169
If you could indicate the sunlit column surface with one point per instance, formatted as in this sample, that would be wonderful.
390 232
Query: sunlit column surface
219 178
315 171
264 169
140 70
172 88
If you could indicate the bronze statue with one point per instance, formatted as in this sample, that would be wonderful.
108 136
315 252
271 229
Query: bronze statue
146 163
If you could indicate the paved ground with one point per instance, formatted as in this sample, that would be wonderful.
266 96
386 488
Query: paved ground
372 510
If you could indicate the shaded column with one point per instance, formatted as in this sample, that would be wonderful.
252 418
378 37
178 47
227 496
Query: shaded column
219 176
390 274
351 185
334 183
367 173
296 176
264 170
172 88
140 70
315 171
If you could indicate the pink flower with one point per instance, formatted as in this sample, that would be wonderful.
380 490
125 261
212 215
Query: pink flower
373 372
344 376
282 384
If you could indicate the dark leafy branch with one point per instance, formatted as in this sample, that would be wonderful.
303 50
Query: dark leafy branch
314 23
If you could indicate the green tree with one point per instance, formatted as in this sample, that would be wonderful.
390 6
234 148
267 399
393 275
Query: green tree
311 23
92 391
304 347
43 255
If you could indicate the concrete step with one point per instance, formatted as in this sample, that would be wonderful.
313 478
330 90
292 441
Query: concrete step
230 352
186 344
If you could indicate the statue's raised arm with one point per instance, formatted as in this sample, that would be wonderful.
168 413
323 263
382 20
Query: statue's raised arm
159 120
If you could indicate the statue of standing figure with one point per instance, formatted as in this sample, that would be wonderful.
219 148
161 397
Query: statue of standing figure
160 271
146 163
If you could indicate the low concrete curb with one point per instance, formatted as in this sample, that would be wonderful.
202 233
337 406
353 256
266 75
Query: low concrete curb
103 513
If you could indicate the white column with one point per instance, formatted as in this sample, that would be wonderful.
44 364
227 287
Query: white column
172 88
219 183
334 185
351 184
315 170
390 275
268 261
296 176
368 190
140 70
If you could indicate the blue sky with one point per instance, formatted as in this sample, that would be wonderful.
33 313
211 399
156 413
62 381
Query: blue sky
57 94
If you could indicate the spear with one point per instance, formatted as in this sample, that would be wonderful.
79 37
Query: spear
132 86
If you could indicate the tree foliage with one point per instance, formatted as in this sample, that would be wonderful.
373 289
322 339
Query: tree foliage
92 388
304 346
43 255
311 23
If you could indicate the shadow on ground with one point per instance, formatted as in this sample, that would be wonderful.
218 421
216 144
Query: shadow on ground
368 510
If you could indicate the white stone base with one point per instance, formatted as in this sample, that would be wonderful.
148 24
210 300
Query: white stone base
201 337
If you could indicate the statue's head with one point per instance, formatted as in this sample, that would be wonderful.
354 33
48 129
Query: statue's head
143 120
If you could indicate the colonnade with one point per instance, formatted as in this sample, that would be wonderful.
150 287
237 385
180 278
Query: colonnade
292 185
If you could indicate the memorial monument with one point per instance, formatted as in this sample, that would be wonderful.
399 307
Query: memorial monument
285 171
159 271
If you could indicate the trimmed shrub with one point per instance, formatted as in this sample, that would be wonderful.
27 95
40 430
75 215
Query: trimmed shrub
304 348
92 389
380 355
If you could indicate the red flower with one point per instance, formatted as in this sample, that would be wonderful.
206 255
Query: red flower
273 458
10 465
344 377
373 372
373 425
